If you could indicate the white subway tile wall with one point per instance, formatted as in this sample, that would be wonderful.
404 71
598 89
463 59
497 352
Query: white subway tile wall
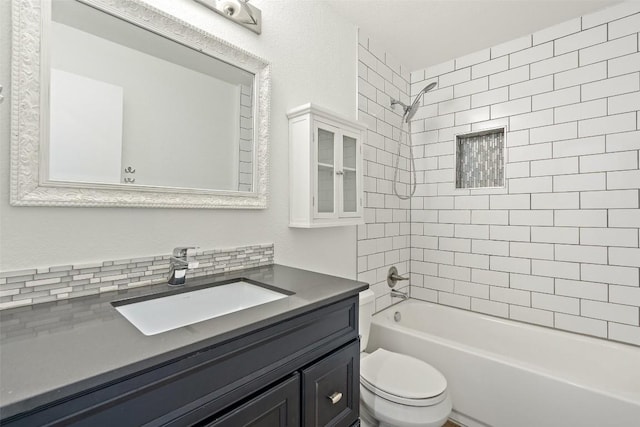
245 155
384 240
559 246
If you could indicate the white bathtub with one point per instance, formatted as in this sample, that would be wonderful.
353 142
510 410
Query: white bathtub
502 373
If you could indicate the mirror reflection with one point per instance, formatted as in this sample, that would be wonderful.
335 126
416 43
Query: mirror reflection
130 107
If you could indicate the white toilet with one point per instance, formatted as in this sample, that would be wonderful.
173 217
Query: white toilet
397 390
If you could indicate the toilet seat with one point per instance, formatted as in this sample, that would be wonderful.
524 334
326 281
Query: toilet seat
402 379
403 400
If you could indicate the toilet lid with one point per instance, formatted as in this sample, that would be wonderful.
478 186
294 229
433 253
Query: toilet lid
401 375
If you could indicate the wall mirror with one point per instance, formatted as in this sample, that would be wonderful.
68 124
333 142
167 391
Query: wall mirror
116 103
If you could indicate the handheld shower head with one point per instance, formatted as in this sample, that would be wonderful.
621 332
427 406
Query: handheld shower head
411 111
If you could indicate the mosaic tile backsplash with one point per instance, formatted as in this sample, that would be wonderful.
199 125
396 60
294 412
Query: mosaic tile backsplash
480 160
38 285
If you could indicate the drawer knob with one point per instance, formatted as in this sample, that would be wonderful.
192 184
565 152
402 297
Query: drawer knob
335 397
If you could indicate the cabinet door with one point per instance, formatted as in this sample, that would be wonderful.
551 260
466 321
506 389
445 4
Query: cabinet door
331 389
326 148
277 407
350 175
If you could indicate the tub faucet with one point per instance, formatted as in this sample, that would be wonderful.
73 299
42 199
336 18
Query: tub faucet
399 294
181 261
393 277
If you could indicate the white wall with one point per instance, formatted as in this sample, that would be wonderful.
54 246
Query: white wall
313 56
77 118
559 246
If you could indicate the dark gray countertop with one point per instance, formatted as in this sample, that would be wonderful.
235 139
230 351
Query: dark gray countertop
54 350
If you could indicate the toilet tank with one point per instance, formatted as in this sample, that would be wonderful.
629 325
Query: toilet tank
367 301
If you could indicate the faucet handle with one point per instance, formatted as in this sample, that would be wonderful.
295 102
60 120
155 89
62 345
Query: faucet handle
185 251
393 277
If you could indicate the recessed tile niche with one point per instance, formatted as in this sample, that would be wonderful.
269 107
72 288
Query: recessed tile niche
480 159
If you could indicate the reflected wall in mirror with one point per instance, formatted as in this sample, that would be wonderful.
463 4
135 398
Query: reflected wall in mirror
123 98
136 108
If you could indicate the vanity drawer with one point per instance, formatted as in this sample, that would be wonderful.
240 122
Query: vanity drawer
277 407
331 389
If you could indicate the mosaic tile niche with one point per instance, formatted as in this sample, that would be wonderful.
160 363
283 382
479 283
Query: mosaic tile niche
480 159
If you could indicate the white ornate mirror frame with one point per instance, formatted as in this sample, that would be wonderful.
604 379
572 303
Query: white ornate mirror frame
28 111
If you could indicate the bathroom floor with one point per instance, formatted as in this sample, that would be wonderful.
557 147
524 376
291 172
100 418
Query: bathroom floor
450 424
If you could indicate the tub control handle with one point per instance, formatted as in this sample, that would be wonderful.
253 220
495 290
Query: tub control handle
393 277
335 397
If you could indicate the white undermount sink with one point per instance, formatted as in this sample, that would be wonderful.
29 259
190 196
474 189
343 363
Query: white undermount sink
163 314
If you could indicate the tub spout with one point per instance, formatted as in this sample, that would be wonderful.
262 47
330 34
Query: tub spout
399 294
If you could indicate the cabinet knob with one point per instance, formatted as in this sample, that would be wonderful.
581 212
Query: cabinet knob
339 173
335 397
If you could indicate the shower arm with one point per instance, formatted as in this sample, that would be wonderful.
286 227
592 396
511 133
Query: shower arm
404 106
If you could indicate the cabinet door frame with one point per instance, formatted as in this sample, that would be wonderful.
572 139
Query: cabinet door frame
327 371
359 164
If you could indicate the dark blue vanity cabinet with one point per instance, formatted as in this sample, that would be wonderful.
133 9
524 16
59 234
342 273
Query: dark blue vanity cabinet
301 371
323 394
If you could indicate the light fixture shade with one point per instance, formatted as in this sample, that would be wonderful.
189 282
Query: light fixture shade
238 11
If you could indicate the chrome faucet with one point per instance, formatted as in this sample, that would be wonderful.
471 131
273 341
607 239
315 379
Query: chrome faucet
393 277
399 294
181 261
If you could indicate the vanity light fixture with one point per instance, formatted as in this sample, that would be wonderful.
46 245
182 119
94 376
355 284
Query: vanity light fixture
238 11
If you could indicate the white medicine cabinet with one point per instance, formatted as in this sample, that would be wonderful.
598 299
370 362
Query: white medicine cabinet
325 168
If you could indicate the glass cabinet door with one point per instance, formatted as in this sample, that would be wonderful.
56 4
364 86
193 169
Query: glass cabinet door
326 170
350 174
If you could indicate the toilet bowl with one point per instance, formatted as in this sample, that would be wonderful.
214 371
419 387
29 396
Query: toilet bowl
397 390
